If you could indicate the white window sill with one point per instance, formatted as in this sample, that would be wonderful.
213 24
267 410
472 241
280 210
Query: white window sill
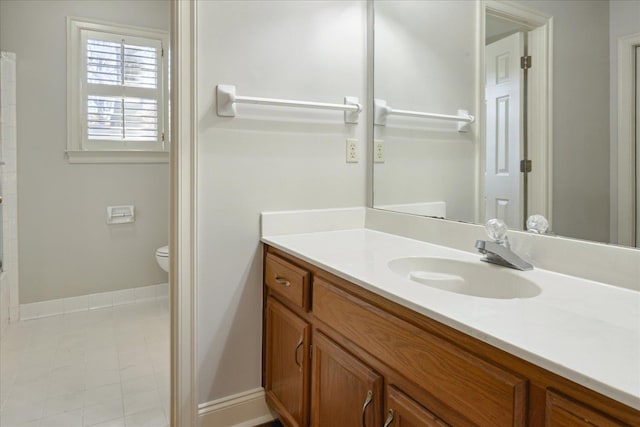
117 156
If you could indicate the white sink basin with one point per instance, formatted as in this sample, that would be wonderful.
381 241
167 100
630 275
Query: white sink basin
477 279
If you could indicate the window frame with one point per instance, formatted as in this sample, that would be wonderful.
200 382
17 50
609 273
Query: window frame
79 148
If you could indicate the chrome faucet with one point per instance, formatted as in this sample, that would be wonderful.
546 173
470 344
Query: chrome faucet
499 251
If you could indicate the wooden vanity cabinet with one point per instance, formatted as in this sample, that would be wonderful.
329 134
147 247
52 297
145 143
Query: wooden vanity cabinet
336 354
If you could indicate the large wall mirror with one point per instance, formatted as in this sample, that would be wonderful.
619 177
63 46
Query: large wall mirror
505 109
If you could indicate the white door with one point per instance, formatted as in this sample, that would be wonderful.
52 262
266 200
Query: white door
637 204
503 92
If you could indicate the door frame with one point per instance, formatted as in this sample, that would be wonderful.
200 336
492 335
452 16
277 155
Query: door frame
626 177
540 106
182 242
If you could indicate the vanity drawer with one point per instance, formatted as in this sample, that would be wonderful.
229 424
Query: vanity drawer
481 392
287 280
563 411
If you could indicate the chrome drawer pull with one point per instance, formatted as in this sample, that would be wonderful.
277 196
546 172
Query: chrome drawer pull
389 420
295 355
281 281
364 407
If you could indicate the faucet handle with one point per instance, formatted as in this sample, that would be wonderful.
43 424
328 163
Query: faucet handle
497 231
537 224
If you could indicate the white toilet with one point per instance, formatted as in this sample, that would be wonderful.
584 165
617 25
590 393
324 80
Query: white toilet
162 256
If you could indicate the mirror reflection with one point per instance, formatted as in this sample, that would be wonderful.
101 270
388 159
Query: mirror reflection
551 90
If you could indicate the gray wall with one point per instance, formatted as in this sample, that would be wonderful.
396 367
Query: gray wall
266 158
65 246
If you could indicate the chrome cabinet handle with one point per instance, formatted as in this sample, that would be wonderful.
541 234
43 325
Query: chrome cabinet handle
389 420
295 355
367 401
281 281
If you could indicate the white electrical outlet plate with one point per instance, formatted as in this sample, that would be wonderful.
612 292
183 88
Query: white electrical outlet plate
352 151
378 151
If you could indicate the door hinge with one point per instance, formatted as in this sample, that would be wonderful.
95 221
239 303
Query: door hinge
525 166
525 62
162 136
162 51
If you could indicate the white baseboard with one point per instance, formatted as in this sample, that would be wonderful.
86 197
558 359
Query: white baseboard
247 409
54 307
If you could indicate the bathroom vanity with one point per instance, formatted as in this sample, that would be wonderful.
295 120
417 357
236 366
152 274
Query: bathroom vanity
349 342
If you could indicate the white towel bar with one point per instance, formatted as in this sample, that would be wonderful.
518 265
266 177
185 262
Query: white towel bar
226 99
382 111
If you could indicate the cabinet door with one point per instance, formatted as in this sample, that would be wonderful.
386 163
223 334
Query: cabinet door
287 364
345 392
564 412
402 411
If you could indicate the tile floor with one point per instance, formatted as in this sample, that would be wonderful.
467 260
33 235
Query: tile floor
105 367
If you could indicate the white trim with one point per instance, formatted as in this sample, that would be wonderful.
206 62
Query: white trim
9 289
540 126
626 138
541 120
77 87
117 156
248 409
182 247
54 307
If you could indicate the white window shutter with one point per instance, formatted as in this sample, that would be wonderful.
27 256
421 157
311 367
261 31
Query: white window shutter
141 66
123 96
104 62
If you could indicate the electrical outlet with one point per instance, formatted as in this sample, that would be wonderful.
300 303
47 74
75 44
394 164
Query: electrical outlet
352 151
378 151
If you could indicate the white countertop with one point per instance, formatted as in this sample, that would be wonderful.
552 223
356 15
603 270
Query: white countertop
586 331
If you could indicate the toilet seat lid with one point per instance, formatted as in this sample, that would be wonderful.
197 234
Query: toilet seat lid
163 251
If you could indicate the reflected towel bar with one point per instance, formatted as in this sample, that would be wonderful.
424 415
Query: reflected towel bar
226 99
382 111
